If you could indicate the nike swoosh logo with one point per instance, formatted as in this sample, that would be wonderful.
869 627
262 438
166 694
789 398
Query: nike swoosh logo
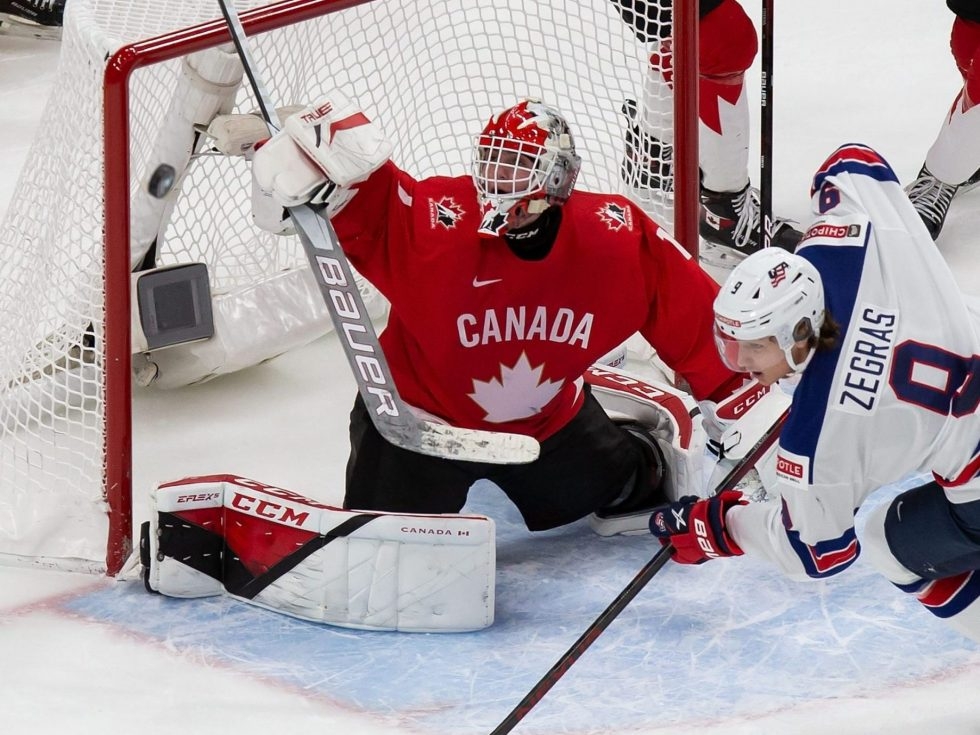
477 283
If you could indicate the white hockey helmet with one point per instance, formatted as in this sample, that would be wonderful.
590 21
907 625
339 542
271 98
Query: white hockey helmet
772 293
525 155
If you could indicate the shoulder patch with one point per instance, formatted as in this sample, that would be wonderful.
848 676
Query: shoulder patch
445 212
850 230
824 229
615 216
793 468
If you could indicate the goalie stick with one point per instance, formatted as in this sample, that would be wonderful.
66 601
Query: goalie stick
392 417
729 481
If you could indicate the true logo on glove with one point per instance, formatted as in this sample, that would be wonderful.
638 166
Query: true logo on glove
313 115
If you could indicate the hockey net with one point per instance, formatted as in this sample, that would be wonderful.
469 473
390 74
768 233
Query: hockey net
430 71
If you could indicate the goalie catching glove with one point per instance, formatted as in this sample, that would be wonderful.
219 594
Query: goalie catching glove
320 154
696 528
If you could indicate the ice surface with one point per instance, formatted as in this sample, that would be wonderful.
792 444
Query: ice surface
729 647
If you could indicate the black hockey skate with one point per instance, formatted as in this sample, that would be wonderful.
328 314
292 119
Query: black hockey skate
972 182
932 198
631 514
647 162
35 18
729 223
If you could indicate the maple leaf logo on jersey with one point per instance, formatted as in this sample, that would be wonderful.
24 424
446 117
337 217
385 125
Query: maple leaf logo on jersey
616 216
445 212
518 394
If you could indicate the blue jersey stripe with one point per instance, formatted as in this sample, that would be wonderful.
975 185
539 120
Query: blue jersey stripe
840 269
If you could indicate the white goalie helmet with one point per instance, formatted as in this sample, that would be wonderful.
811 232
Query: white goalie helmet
523 161
772 293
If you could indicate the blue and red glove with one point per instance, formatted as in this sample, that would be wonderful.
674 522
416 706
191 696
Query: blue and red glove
696 528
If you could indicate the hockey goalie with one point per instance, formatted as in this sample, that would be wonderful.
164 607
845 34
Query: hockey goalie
498 309
373 570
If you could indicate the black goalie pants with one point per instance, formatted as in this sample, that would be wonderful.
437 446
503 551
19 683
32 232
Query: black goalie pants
582 468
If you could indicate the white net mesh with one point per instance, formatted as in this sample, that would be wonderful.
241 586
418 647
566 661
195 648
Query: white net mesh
430 71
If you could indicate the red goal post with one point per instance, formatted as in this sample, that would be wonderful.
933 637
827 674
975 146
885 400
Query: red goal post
430 71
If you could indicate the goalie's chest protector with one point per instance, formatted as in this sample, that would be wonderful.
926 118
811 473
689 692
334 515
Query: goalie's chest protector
486 339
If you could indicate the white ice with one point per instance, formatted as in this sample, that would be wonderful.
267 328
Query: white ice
729 647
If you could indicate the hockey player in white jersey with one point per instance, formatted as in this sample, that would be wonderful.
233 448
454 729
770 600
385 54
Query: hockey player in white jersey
888 354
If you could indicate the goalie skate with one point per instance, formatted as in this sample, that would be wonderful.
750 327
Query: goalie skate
32 18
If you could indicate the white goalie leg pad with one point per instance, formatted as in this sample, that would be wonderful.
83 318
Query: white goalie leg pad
409 573
284 552
253 324
615 358
180 566
670 414
207 86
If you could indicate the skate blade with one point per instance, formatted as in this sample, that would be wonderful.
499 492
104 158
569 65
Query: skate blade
630 524
968 186
14 27
719 256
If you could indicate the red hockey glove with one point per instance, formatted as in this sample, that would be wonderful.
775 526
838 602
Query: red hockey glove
696 527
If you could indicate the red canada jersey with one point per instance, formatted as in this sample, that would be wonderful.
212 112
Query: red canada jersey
486 340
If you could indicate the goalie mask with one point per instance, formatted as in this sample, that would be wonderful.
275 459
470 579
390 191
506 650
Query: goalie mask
523 162
772 293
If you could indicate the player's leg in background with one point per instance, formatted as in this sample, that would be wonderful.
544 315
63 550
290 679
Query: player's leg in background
730 206
928 546
37 18
647 166
952 164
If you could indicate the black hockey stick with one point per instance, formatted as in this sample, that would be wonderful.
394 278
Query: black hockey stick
391 415
556 672
765 184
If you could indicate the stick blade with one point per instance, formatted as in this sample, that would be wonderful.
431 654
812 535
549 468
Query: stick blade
470 445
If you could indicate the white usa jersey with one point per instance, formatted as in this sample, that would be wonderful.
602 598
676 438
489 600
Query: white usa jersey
900 392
